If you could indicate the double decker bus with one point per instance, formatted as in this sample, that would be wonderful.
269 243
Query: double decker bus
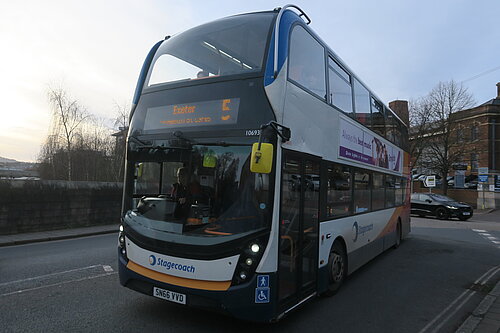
260 170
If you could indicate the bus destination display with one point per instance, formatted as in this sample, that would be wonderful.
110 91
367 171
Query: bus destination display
217 112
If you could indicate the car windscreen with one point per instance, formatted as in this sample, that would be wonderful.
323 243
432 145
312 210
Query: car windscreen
439 197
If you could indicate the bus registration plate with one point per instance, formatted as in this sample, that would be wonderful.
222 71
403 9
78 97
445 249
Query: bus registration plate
169 295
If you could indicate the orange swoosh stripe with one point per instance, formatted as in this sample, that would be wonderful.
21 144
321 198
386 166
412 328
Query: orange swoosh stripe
179 281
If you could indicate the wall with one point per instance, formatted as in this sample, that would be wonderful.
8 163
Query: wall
29 206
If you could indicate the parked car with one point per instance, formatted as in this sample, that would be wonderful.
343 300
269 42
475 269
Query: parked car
440 206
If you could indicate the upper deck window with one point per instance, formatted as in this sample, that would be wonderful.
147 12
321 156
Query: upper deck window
307 62
340 87
233 45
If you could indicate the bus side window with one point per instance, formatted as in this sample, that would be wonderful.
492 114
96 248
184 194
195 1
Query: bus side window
338 192
306 65
362 197
340 87
362 104
378 118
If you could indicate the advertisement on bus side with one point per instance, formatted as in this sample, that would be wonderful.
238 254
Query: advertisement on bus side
359 145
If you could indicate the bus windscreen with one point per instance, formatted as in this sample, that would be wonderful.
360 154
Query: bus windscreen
233 45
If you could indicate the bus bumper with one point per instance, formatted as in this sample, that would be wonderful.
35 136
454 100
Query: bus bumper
238 301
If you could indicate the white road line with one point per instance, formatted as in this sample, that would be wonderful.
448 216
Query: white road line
486 235
58 284
107 268
485 275
47 275
466 295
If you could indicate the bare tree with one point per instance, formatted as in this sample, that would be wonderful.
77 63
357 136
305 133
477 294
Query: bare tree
420 126
121 125
442 147
68 115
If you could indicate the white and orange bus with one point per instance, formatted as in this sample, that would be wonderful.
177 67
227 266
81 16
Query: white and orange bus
260 170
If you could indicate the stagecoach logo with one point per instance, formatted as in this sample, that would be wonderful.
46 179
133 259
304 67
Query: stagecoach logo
360 230
169 265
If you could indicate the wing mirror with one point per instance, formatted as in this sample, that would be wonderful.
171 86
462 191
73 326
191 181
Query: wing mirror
261 160
428 200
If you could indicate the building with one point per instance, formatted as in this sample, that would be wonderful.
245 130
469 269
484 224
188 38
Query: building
475 146
479 129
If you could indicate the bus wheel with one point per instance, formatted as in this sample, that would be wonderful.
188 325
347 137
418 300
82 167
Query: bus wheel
337 268
398 235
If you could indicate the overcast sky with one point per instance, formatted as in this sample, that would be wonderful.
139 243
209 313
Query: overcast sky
95 49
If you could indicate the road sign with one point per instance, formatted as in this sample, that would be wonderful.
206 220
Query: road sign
482 171
483 178
430 181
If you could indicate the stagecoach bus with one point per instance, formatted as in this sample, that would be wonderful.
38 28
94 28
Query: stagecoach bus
260 170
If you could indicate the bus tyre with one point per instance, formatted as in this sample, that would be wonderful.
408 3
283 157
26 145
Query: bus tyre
442 213
337 268
398 236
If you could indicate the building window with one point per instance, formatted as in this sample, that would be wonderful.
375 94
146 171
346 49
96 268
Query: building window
474 132
460 134
474 162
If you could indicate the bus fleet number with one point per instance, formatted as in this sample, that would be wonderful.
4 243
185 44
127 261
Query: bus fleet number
253 132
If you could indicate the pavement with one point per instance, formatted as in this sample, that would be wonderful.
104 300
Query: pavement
484 319
43 236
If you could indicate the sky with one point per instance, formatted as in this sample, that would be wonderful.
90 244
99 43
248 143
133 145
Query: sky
94 49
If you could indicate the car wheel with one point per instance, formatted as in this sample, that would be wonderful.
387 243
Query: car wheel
442 213
337 268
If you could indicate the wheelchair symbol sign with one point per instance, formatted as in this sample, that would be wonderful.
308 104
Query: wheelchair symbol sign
261 295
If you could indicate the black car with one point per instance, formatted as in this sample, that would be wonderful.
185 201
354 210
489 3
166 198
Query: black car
440 206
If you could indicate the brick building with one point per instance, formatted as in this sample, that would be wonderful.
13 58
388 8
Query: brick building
479 131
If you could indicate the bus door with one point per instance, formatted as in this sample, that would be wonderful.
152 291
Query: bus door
298 246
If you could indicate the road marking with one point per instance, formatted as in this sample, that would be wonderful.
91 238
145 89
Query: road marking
107 268
58 284
486 235
463 298
49 275
54 279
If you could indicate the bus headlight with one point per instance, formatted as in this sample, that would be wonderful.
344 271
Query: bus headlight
250 255
255 248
